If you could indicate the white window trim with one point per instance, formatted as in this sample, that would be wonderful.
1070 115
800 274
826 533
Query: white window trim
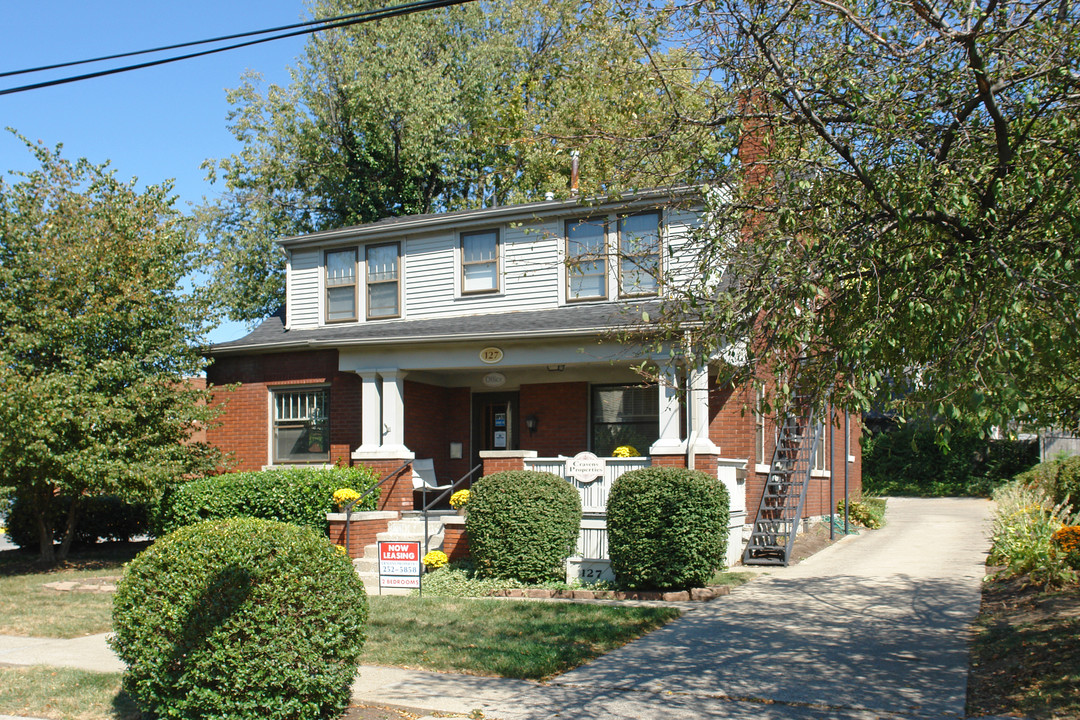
270 392
610 271
324 286
500 264
363 265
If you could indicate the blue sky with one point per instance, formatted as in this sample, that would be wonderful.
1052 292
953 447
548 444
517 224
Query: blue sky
153 124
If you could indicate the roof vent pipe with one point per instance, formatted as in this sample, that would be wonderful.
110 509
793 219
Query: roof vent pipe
574 156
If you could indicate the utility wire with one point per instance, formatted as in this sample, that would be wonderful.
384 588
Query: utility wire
309 27
177 46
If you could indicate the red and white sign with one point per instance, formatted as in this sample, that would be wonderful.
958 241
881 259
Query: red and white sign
399 564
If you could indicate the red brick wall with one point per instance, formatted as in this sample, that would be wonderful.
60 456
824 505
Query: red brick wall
435 417
494 465
396 494
455 542
244 431
817 496
563 413
361 534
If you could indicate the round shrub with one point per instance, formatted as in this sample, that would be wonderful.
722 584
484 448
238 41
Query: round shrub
667 528
300 496
240 618
523 524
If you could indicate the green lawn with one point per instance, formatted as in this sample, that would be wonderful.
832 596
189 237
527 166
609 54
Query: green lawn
507 638
63 693
27 607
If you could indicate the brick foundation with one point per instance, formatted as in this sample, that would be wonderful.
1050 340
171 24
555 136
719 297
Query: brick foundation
362 530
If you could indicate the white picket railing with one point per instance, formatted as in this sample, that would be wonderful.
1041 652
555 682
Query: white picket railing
592 540
594 494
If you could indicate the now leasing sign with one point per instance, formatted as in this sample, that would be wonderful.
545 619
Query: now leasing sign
399 565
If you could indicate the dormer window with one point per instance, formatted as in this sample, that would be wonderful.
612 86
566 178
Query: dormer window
639 254
383 281
480 262
341 285
586 259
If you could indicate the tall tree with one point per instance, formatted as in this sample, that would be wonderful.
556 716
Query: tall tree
463 107
904 220
96 337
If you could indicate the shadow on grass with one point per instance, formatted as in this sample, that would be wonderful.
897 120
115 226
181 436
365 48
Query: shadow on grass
101 556
125 708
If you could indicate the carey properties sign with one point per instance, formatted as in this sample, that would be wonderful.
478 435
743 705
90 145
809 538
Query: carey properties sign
399 565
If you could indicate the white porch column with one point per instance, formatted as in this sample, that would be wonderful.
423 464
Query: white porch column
698 411
370 412
670 440
393 410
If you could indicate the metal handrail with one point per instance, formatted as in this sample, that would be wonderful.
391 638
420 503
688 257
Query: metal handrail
349 507
425 505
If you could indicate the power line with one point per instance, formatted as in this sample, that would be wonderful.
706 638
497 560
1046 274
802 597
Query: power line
309 27
177 46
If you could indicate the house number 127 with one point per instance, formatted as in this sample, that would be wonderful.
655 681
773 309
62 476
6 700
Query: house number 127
491 355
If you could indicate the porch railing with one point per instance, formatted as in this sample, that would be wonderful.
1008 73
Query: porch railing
594 495
592 537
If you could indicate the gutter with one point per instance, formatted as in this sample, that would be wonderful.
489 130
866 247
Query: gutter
415 340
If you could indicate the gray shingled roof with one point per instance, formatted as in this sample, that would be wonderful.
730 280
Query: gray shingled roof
564 321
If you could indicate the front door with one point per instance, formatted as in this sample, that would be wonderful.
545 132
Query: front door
495 422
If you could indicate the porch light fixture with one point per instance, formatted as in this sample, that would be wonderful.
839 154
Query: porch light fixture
531 422
555 368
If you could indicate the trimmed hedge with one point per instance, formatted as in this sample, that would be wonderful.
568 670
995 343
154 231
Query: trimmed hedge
907 460
105 517
1060 479
523 525
300 496
239 619
667 528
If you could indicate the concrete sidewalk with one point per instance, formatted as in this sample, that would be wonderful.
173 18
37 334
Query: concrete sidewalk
875 626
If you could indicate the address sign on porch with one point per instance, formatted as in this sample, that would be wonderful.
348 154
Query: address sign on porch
491 355
585 467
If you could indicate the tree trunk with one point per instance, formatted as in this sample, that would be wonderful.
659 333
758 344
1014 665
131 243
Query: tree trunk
44 527
69 529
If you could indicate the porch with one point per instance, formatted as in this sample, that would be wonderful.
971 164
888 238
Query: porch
440 530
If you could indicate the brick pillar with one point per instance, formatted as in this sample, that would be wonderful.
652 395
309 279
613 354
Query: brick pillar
363 529
455 541
397 492
503 460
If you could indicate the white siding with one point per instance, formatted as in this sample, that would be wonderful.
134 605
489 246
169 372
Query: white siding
533 273
530 274
681 265
304 288
429 275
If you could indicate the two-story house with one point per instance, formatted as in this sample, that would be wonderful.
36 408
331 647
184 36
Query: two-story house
499 338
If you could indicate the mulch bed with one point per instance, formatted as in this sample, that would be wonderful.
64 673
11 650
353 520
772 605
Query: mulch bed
1025 658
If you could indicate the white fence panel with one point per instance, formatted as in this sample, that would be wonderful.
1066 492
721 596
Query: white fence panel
592 540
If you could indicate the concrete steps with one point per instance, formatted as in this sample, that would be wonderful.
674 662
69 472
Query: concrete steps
408 529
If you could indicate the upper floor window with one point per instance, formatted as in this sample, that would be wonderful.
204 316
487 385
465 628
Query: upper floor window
383 281
341 285
301 426
586 259
639 253
480 261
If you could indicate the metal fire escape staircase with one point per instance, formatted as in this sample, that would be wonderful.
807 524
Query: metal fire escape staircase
780 510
